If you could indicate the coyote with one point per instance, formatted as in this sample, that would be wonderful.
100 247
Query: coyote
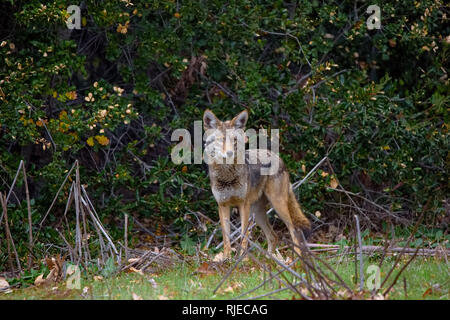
241 184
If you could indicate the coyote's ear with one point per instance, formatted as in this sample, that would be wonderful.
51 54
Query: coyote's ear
210 120
240 120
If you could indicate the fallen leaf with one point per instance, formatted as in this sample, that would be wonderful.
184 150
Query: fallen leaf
427 292
3 283
39 280
98 278
131 260
231 288
205 269
219 257
133 269
162 297
136 297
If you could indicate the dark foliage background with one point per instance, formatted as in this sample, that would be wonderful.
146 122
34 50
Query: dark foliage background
111 93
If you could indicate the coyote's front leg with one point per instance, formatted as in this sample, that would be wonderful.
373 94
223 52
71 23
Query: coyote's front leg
224 214
244 212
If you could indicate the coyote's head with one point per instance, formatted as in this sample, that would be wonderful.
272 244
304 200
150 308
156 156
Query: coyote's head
225 140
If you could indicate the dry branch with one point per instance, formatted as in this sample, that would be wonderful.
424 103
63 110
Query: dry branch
30 221
9 237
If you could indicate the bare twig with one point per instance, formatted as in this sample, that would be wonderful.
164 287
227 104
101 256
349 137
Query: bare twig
125 235
96 220
361 262
30 221
8 232
57 193
12 186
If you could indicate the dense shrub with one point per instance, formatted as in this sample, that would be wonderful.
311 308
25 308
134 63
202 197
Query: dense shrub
111 93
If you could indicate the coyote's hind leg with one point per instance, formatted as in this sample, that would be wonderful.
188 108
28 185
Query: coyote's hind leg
258 208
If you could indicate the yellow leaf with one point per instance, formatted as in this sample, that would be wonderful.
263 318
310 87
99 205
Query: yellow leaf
102 140
324 174
334 183
123 28
90 141
72 95
63 114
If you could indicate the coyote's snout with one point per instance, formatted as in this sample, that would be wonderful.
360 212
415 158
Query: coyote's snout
237 181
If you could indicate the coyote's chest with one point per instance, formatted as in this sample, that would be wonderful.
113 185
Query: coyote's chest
229 184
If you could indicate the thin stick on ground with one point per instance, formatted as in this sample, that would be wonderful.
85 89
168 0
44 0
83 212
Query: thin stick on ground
78 243
96 219
268 294
399 273
30 220
397 260
229 272
361 262
125 236
57 193
8 232
14 181
12 186
69 247
266 280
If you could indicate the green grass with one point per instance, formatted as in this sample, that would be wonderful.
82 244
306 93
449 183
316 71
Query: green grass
185 282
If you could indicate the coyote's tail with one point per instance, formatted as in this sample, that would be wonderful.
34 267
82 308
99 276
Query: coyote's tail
297 216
